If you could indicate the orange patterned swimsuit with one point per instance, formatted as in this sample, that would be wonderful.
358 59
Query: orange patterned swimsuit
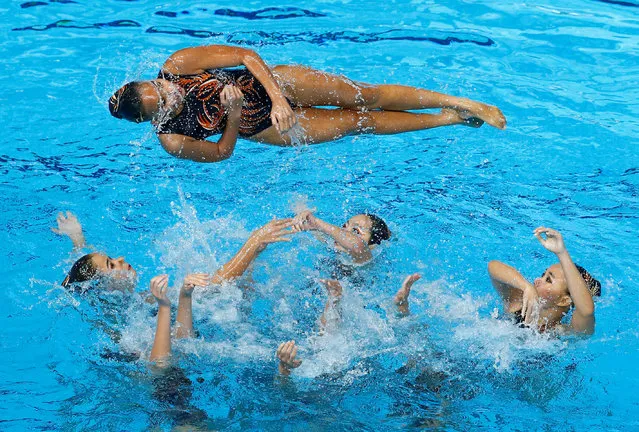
203 114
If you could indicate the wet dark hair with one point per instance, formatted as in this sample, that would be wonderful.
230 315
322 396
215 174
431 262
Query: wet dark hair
126 102
379 229
82 270
594 286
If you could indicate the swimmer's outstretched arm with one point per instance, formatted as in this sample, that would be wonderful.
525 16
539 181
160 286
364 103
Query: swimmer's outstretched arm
184 320
162 342
185 147
273 232
356 248
583 317
286 353
70 226
401 297
516 292
196 60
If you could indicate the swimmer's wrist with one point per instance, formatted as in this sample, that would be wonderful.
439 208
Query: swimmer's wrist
283 369
78 239
234 115
563 255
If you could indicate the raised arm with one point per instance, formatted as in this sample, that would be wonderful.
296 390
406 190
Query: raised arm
287 355
331 307
185 147
162 342
583 317
350 242
401 297
273 232
516 292
195 60
70 226
184 320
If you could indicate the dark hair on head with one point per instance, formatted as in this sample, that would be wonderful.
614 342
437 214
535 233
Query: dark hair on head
594 286
82 270
379 229
126 103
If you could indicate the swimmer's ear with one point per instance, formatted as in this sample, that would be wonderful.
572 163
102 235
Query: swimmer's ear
565 301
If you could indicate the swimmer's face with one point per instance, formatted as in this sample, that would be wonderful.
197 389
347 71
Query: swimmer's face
159 98
360 225
552 286
115 272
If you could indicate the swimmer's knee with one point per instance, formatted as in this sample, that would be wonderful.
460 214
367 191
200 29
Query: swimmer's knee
366 122
368 95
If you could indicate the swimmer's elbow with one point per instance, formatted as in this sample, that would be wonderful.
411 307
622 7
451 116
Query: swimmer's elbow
588 312
494 267
206 152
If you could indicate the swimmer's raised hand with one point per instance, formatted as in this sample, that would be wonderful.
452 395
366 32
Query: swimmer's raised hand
282 115
70 226
231 98
401 297
193 280
333 287
287 353
304 221
553 241
159 286
275 231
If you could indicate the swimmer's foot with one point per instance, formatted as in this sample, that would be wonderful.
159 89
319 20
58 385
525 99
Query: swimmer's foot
461 117
286 353
484 112
401 298
470 120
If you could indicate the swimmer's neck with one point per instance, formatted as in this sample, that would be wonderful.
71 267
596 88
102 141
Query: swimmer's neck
549 318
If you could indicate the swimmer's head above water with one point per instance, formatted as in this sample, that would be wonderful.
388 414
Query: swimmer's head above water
114 274
552 287
356 237
142 101
562 287
370 228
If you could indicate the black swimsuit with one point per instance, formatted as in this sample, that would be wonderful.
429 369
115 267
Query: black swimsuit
203 114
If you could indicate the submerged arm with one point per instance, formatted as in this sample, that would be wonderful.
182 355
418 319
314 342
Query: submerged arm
334 289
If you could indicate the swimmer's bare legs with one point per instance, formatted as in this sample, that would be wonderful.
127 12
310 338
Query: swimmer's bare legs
401 297
322 125
286 353
331 308
308 87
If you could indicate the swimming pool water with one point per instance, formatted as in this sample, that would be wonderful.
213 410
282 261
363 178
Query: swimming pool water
565 76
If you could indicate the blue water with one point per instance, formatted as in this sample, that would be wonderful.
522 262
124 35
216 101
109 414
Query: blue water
565 76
